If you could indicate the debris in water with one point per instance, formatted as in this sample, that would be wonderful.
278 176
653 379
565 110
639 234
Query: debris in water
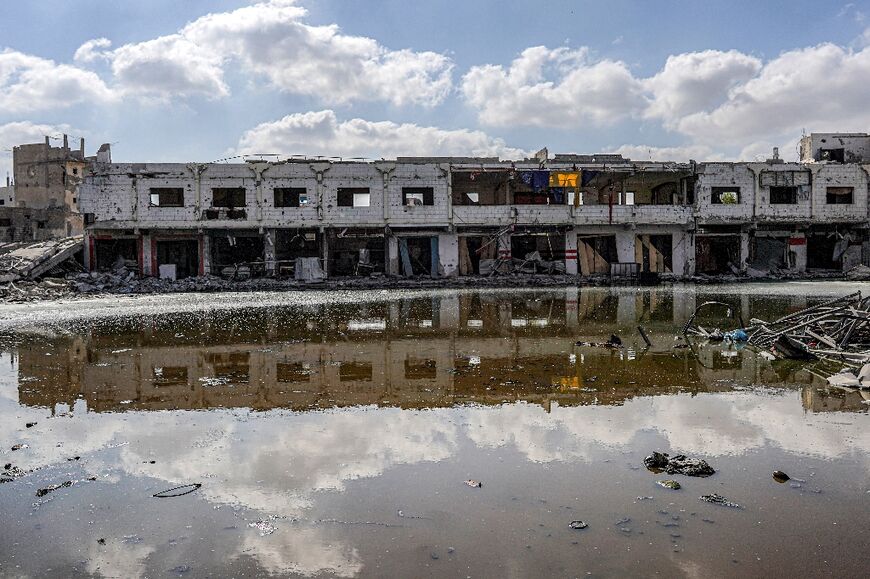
780 476
19 446
265 527
719 500
44 491
474 483
101 541
177 491
679 464
669 484
577 525
30 425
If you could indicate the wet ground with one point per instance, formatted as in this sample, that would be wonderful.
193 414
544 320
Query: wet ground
332 434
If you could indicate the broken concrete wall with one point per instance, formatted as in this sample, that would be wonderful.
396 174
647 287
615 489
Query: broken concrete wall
839 193
783 191
29 224
835 147
714 179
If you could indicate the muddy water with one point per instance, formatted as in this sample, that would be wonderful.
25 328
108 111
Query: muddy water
332 434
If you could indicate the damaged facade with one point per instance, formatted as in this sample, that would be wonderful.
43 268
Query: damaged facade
444 217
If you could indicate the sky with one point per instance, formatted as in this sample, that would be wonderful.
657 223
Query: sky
163 80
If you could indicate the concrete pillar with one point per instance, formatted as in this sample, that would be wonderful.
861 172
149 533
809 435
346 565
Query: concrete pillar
744 251
87 258
147 256
269 251
448 255
392 255
625 246
324 250
797 249
504 246
683 254
571 254
206 254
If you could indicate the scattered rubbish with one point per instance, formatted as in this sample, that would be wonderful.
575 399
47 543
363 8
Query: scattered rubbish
180 570
780 476
679 464
30 425
847 378
265 527
19 447
474 483
577 525
644 498
737 335
719 500
669 484
50 488
613 341
101 541
836 329
179 491
433 555
644 336
403 515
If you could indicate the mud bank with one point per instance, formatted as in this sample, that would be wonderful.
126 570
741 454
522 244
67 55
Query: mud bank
84 285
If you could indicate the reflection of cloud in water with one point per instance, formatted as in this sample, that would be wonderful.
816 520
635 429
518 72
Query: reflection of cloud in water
117 559
302 551
708 424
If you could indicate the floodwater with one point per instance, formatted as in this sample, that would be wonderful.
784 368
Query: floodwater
332 434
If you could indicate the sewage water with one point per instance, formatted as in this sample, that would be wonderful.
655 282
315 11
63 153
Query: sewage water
332 434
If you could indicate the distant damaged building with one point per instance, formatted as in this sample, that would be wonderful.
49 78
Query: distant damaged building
451 216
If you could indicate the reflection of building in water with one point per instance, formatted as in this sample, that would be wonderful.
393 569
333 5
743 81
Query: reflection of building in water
483 347
819 398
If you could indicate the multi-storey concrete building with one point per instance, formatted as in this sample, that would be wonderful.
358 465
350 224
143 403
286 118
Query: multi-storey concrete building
581 214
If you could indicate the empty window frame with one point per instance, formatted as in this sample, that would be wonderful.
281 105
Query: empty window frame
783 195
414 196
725 195
834 155
629 198
291 197
166 197
354 197
839 196
228 197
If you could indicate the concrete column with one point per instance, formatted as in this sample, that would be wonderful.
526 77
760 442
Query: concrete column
324 247
448 254
392 255
206 253
744 251
625 246
147 256
269 251
571 254
87 242
797 249
683 257
504 246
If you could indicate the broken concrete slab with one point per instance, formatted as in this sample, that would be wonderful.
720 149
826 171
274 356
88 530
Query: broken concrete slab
32 260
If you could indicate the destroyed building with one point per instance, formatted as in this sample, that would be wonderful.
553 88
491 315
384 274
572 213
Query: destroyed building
41 201
457 216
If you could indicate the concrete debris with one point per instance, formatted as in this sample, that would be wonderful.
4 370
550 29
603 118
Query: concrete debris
859 273
32 260
848 379
577 525
719 500
308 269
679 464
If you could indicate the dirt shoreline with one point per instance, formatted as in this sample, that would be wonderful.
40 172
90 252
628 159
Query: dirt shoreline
108 285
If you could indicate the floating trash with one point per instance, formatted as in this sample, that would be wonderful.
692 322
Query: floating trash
719 500
780 476
177 491
265 527
474 483
577 525
669 484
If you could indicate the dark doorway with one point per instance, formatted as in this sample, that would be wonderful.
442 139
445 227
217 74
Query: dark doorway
820 252
418 255
716 254
183 253
116 254
235 250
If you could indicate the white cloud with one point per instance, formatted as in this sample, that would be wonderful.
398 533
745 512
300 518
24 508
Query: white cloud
321 133
270 40
92 50
680 154
30 83
553 88
695 81
820 88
